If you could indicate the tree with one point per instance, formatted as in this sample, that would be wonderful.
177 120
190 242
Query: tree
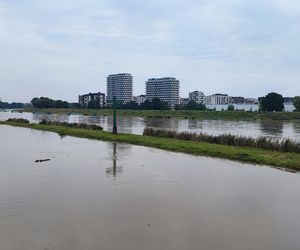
45 102
59 104
94 104
155 104
192 105
296 103
75 105
130 105
272 102
230 107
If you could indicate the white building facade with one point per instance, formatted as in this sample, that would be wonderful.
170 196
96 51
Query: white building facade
166 89
120 86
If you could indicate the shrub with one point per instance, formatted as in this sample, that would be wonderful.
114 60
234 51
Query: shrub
72 125
18 120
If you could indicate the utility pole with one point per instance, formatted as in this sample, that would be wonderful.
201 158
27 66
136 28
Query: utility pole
115 115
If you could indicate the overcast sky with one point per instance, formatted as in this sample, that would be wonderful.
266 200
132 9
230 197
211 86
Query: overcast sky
61 48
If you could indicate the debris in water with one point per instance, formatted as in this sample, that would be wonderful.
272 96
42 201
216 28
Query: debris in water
43 160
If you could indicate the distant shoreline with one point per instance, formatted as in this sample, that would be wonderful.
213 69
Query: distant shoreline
289 161
180 114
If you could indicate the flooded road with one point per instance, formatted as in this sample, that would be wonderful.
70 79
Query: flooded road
100 195
136 125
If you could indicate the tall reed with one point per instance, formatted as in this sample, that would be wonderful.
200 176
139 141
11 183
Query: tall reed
285 145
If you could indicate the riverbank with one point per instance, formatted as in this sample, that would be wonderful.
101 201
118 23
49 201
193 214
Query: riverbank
180 114
258 156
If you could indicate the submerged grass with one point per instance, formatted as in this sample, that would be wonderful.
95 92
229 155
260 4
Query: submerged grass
251 155
285 145
182 114
71 125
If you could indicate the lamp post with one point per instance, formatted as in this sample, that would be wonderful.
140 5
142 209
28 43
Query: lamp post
115 115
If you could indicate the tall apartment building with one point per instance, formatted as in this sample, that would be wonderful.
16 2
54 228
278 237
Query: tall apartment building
196 96
166 89
84 100
120 86
217 99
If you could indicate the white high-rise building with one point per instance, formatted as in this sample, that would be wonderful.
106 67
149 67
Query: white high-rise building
120 86
166 89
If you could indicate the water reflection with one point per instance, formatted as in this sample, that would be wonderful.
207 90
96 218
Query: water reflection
172 124
193 124
272 128
114 170
296 127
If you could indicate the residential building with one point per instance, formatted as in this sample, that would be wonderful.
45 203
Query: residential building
84 100
217 99
120 86
237 100
196 96
139 99
252 101
166 89
184 101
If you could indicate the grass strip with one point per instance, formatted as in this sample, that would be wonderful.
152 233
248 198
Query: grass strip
250 155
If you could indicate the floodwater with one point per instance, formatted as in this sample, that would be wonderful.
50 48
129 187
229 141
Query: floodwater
136 125
100 195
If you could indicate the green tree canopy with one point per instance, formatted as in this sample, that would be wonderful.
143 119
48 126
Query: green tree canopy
192 105
230 107
94 104
45 103
130 105
155 104
297 103
272 102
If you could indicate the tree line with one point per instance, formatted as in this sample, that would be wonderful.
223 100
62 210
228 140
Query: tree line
46 103
269 103
14 105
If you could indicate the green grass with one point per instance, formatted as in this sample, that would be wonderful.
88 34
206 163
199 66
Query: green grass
250 155
183 114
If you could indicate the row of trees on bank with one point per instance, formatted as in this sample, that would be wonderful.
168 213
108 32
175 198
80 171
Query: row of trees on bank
155 104
270 103
46 103
14 105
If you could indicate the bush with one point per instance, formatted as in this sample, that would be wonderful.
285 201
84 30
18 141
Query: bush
72 125
18 120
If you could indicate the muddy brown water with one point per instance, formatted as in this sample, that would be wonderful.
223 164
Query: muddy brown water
101 195
136 125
